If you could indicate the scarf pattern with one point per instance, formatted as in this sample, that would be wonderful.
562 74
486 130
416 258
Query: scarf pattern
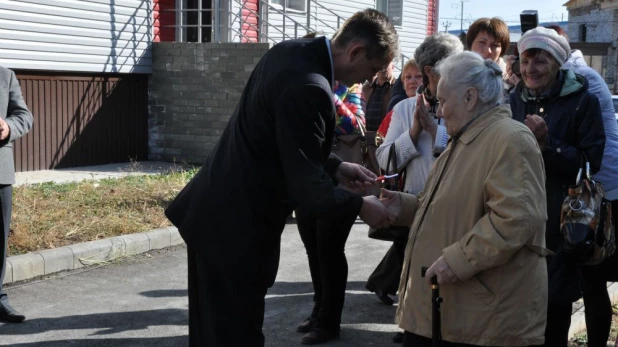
349 107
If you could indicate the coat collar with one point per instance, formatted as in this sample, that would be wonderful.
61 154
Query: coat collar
483 121
320 49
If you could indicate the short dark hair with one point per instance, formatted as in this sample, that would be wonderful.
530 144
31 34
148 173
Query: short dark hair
557 28
495 27
373 28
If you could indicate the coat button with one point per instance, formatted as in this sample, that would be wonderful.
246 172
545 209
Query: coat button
558 150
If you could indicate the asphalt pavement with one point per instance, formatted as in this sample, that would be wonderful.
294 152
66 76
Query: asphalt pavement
142 301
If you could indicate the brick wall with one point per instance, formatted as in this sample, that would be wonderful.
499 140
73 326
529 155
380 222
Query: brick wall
599 25
193 90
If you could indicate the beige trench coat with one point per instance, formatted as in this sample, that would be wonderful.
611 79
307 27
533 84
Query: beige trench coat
487 217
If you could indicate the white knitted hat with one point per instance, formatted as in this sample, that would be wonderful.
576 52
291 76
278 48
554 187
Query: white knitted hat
548 40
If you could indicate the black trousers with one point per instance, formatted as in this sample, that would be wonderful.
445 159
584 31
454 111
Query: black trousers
6 203
413 340
387 274
596 298
226 299
324 242
558 324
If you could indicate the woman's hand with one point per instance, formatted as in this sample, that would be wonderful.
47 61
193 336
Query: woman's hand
426 119
441 269
538 127
512 78
417 126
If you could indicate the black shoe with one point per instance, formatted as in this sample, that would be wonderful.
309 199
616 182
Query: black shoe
9 315
306 325
398 338
386 300
318 335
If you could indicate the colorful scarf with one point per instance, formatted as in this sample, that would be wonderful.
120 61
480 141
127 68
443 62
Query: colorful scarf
349 105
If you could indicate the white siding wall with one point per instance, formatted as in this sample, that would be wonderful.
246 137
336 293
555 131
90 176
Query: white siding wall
414 26
72 35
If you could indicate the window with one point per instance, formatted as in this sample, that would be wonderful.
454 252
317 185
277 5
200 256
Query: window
393 9
296 5
195 19
583 31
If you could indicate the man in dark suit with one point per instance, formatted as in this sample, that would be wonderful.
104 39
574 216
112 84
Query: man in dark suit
273 157
15 122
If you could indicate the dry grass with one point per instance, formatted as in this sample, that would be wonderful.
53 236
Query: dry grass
52 215
581 339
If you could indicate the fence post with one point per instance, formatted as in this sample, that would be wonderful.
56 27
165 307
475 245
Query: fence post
308 14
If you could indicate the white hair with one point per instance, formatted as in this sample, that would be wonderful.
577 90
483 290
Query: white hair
435 48
468 69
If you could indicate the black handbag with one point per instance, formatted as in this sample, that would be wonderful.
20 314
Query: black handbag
393 233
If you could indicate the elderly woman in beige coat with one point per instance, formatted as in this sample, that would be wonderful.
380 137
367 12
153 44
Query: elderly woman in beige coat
479 223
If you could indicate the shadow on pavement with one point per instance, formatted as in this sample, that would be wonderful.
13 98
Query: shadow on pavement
365 321
109 323
158 341
165 293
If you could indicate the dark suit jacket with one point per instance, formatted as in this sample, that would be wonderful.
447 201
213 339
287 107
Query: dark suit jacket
15 113
272 157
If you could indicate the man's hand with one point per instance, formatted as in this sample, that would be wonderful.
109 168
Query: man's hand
5 131
355 177
538 127
441 269
374 213
392 201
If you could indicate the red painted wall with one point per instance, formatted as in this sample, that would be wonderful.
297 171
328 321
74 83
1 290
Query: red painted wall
163 17
432 16
250 21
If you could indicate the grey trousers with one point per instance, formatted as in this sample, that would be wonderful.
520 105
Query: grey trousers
6 203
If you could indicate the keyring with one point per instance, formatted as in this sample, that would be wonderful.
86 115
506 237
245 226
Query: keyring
579 206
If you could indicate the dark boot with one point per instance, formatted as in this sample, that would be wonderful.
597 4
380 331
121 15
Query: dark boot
9 314
318 335
306 325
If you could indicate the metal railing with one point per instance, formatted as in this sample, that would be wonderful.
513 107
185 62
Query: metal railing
317 19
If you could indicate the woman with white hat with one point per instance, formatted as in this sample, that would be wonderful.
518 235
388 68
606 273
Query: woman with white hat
566 120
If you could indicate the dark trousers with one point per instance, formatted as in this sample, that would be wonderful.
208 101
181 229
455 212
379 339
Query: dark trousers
558 323
387 274
596 299
324 242
6 203
226 309
412 340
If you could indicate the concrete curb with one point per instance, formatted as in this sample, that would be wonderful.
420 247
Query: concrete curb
578 318
49 261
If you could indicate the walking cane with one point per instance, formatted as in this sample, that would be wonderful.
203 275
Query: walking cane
436 300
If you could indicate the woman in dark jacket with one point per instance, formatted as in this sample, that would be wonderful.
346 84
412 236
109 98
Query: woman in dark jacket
566 120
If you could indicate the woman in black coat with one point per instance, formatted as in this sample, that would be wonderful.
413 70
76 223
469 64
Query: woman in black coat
566 120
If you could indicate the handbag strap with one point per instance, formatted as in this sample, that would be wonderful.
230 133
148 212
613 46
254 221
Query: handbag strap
361 126
392 159
584 168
